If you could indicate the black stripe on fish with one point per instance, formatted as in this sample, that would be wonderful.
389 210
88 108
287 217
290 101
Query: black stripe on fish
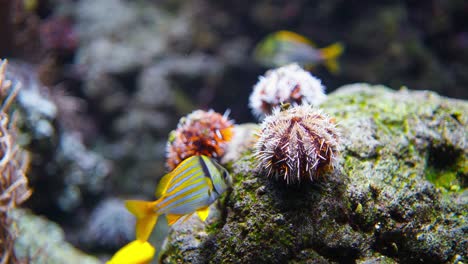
204 167
206 171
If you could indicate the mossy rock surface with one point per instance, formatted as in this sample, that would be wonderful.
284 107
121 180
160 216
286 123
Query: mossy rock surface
399 193
41 241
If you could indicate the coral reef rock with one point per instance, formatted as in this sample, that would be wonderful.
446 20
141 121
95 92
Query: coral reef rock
64 169
114 34
398 194
42 241
110 225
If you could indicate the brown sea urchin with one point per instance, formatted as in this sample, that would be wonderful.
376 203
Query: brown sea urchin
297 143
199 133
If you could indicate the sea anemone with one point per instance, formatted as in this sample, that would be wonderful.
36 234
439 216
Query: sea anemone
14 161
297 143
288 84
199 133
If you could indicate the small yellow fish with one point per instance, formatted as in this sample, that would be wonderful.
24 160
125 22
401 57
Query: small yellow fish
135 252
191 187
284 47
30 5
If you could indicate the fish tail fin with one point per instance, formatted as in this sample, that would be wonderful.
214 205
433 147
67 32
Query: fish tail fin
146 217
134 252
330 55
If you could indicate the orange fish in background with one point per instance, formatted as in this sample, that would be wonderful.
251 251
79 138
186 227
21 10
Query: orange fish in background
285 47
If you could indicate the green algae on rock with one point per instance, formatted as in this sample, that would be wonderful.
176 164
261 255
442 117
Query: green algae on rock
43 242
379 204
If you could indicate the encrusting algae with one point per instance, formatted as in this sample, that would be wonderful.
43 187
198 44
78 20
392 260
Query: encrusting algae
14 162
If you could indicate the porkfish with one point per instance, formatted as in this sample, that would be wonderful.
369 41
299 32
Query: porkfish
285 47
191 187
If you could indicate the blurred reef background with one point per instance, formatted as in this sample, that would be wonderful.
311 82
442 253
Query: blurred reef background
104 82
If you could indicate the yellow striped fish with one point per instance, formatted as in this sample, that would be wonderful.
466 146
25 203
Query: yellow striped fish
191 187
284 47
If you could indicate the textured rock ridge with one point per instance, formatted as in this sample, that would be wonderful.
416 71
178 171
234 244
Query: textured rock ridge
398 194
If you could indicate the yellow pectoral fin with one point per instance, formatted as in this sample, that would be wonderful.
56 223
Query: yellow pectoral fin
144 226
135 252
171 219
203 213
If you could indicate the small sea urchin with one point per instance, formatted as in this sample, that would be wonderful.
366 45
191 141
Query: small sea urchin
199 133
287 84
297 143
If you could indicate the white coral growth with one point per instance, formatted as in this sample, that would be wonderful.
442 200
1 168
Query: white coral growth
287 84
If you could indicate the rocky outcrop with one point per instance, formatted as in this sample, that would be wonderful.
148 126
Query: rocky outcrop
43 241
397 195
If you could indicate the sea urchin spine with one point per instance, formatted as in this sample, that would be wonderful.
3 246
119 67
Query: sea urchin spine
297 143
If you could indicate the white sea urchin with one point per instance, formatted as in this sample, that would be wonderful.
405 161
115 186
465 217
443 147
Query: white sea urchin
287 84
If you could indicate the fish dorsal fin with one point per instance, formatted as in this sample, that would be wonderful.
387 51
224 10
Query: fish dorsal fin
163 185
203 213
291 36
172 218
